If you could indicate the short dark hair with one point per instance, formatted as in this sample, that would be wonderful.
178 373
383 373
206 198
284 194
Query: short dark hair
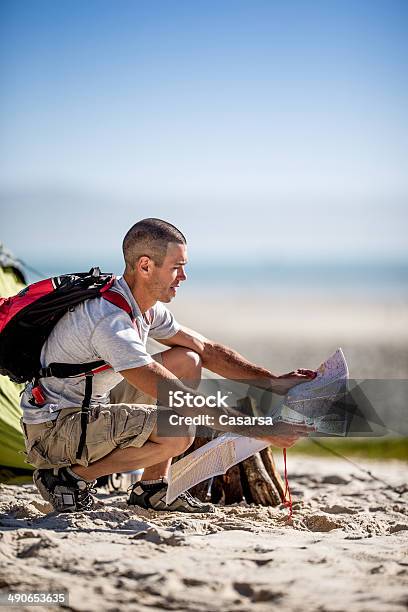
150 237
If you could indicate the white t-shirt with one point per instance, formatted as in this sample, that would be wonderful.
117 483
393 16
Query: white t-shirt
96 330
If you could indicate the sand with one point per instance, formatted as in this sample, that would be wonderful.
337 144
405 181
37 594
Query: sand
346 548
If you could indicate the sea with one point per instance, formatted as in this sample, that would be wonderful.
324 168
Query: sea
383 280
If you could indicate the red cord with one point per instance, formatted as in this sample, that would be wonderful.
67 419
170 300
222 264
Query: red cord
287 495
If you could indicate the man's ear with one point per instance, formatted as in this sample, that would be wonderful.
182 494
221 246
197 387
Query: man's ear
144 265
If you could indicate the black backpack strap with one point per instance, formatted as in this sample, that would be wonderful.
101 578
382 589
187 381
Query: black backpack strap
85 412
65 370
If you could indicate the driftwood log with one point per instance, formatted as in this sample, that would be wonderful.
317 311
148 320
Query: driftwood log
255 479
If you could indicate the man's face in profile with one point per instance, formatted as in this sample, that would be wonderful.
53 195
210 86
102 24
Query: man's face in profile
167 278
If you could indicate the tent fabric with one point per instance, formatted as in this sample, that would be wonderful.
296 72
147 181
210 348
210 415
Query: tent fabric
7 260
11 436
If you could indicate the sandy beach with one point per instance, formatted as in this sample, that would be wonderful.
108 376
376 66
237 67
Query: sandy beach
346 548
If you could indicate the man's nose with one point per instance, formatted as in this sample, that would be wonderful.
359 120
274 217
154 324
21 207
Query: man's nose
182 275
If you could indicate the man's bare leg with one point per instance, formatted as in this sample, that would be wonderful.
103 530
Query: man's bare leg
183 363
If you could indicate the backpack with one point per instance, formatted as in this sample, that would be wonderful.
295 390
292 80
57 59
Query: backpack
27 319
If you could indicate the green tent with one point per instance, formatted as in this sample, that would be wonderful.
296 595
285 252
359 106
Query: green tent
12 465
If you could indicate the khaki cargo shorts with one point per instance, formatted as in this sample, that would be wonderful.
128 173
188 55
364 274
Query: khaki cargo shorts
128 421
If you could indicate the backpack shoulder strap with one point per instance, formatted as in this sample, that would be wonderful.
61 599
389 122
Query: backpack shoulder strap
116 298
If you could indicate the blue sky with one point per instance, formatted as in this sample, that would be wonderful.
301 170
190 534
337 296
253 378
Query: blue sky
264 130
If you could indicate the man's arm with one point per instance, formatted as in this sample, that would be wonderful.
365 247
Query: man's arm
154 376
231 365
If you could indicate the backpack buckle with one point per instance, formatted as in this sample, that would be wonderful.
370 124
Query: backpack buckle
95 272
45 372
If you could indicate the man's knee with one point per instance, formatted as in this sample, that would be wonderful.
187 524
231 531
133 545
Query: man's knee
184 363
193 367
194 357
182 444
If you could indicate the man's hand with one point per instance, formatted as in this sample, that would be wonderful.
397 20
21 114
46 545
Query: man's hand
287 435
282 384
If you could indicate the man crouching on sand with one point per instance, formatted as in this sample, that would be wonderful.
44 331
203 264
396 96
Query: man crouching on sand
122 432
